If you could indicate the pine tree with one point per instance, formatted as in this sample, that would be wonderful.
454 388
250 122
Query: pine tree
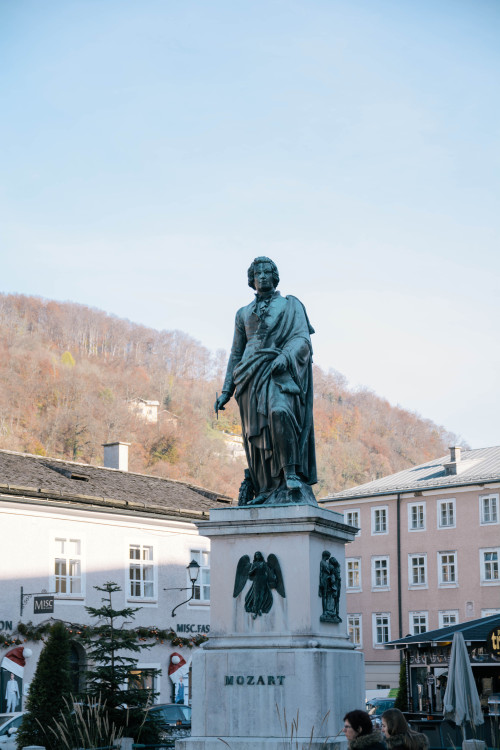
401 701
109 680
49 691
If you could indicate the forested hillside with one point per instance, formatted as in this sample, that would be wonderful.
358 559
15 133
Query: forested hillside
69 372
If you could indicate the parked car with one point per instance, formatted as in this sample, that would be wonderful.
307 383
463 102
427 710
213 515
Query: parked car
171 715
376 708
9 724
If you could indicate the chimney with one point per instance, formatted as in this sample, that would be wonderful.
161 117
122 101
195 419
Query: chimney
116 456
455 458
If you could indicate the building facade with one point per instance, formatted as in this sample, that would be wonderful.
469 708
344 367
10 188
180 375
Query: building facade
426 556
66 528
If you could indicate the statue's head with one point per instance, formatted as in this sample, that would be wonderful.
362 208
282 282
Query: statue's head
258 557
274 268
325 555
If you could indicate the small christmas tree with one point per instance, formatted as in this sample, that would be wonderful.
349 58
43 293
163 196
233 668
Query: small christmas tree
401 701
109 680
49 692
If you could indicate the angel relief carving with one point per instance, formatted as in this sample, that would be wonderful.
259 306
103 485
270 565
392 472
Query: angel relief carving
265 576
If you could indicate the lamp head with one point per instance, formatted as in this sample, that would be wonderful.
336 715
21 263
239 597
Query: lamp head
193 569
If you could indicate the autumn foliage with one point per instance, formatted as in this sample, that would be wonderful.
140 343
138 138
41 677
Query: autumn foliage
69 374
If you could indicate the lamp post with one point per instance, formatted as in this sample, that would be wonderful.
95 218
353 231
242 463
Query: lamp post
193 570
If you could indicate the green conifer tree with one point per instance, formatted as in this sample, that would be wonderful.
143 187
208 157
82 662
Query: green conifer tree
110 681
401 701
49 691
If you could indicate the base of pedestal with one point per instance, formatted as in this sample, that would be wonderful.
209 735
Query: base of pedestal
260 693
285 679
260 743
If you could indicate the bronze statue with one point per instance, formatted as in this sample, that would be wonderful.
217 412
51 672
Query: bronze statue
270 373
330 582
264 576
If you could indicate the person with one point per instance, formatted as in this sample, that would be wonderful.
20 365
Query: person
180 691
12 694
359 732
398 734
270 373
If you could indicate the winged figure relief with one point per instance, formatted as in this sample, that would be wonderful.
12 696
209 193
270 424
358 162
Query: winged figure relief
265 575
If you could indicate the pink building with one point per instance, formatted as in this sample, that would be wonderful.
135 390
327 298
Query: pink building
427 553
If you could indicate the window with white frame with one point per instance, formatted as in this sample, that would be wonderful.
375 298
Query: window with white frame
489 565
488 509
354 628
419 622
446 514
68 566
416 517
381 623
448 617
490 612
352 518
379 520
144 679
380 572
141 571
447 568
417 570
202 588
353 573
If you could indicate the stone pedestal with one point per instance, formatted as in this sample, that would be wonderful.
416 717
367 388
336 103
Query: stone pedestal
259 675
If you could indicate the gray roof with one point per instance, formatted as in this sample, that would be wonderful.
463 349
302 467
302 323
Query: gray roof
475 466
54 480
473 630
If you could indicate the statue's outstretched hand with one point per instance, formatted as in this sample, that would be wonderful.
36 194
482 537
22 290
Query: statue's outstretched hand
221 401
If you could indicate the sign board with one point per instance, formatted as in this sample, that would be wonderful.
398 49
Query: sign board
43 605
493 642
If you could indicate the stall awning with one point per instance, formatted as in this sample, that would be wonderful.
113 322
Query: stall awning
473 631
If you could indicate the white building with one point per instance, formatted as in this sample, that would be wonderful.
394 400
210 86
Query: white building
67 527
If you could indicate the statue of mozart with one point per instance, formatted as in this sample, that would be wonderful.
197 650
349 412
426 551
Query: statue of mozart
270 373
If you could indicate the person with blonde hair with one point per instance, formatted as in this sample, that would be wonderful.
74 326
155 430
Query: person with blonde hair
398 734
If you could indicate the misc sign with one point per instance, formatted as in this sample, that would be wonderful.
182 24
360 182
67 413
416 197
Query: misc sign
43 605
190 628
493 641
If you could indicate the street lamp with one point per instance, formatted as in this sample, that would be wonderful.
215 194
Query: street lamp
193 570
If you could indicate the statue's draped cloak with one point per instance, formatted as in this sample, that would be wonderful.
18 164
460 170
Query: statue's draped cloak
276 410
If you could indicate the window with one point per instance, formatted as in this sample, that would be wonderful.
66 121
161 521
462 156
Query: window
379 520
446 514
380 572
351 517
489 565
202 588
381 628
447 568
68 567
416 517
417 570
353 573
448 617
489 612
354 628
144 679
488 509
419 622
141 571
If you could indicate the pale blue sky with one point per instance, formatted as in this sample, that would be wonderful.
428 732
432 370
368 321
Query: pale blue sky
152 148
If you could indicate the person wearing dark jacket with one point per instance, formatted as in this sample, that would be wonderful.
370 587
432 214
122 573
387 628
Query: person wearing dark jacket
359 732
398 734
